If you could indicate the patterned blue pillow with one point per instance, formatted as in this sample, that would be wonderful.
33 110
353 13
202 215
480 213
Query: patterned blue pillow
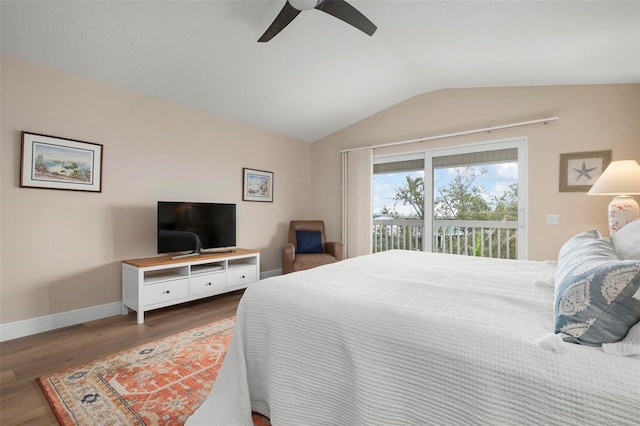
597 296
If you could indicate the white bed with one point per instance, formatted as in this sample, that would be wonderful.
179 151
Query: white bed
411 338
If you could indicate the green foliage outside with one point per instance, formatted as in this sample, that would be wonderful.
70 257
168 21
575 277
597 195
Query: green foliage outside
40 163
461 199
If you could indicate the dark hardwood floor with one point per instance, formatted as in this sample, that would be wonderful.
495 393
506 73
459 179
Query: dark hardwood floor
23 360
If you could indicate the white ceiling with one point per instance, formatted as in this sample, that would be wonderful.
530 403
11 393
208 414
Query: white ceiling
319 74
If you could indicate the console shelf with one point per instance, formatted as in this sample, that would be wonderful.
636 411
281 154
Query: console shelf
156 282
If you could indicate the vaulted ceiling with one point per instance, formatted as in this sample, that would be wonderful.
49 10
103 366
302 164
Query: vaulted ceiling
319 74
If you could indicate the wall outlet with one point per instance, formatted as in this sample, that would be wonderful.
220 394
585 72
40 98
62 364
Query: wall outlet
553 219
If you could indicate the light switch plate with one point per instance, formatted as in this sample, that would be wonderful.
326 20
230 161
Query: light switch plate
553 219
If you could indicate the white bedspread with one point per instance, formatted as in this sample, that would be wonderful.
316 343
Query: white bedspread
410 338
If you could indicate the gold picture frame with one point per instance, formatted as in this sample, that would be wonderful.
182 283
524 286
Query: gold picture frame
580 170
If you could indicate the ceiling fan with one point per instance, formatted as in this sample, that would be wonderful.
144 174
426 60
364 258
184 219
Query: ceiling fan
337 8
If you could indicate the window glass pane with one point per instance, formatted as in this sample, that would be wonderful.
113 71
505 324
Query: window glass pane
399 195
398 211
476 192
475 210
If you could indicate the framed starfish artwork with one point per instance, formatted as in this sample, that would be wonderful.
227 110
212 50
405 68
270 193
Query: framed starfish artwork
580 170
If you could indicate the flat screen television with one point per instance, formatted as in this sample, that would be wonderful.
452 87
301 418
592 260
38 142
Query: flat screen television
195 227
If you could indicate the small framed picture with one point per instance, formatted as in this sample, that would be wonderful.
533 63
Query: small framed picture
580 170
51 162
257 185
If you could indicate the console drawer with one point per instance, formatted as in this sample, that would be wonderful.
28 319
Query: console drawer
165 291
206 283
241 276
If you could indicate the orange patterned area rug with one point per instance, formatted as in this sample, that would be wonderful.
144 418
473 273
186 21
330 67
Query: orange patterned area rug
159 383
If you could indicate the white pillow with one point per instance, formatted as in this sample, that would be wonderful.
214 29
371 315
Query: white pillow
626 241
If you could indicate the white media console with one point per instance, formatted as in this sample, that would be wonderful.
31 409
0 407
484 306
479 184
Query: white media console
156 282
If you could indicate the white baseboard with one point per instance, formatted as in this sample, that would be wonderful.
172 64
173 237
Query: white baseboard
273 273
37 325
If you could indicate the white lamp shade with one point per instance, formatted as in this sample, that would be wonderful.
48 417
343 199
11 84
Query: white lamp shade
619 178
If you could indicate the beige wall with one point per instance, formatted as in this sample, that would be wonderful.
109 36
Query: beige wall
592 118
61 250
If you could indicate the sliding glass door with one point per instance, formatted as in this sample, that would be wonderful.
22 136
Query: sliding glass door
468 200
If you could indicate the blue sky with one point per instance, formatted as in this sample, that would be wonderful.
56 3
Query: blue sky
495 181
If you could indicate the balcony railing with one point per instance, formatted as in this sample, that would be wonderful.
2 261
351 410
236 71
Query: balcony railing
467 237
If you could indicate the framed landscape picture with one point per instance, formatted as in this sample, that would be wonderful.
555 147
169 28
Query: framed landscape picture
257 185
51 162
580 170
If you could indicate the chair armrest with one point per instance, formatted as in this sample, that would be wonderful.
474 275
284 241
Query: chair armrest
335 248
288 256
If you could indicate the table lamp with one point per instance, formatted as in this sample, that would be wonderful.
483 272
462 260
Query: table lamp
620 179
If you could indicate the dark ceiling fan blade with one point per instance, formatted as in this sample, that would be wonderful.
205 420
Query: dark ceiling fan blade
349 14
283 19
